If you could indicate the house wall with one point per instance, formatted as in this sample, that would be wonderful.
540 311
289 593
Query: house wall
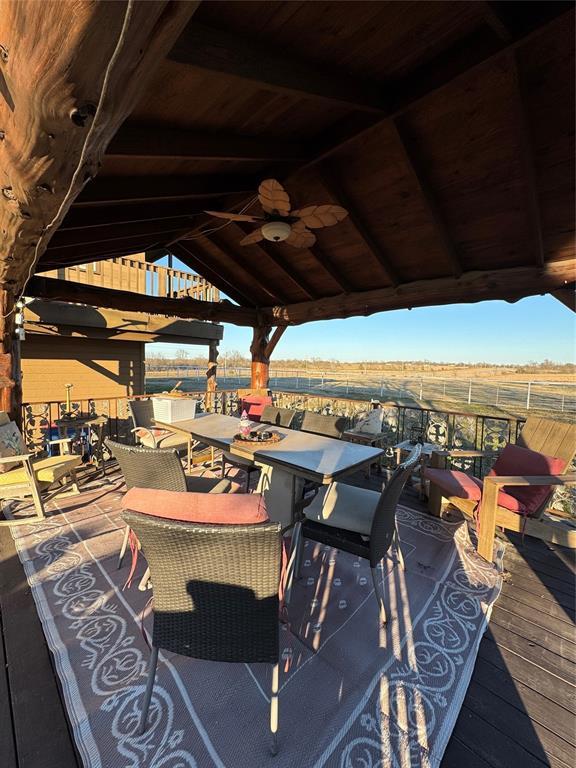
96 367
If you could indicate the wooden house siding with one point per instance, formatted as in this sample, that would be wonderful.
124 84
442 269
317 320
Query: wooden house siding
96 367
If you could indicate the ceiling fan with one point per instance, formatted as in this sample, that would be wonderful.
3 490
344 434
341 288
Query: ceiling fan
280 224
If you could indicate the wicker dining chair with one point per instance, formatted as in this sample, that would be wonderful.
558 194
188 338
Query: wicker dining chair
355 520
279 417
328 426
160 469
215 593
151 436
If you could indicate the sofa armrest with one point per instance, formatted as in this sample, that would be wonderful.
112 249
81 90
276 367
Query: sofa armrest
64 442
500 480
21 458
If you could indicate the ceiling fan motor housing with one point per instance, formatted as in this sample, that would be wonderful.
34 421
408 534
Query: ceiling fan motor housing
276 231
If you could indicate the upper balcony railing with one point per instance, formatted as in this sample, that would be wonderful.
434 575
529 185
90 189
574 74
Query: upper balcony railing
134 274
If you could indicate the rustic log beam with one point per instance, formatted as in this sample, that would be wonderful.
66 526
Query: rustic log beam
229 52
333 183
10 379
274 339
124 190
533 210
416 167
247 270
80 254
260 369
145 140
211 383
567 296
193 257
64 99
504 284
185 308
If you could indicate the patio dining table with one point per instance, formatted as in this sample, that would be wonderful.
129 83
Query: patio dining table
284 465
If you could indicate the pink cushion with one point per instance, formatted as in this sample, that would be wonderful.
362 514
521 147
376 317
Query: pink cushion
254 405
454 483
143 432
211 508
515 460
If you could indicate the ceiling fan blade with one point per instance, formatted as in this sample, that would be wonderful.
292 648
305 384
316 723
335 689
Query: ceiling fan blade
233 216
253 237
318 216
273 197
300 237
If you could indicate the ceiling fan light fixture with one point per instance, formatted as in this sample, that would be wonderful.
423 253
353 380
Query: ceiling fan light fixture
276 231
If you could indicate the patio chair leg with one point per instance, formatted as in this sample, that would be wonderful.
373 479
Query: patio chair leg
149 689
399 549
293 557
143 585
274 710
124 546
74 478
379 592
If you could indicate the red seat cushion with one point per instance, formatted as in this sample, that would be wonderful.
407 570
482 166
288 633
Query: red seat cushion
207 508
254 405
454 483
515 460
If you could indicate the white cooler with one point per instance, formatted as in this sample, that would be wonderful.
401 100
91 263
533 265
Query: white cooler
172 409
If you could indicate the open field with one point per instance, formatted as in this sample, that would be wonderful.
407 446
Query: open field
514 396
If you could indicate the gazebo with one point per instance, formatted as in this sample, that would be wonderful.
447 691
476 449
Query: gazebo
444 129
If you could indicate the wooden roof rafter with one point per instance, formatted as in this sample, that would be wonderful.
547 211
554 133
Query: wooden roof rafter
227 254
216 49
192 257
327 265
156 140
417 171
333 183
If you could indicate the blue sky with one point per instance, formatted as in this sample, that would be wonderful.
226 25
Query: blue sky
534 329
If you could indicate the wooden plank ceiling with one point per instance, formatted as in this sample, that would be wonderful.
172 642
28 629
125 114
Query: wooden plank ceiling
444 128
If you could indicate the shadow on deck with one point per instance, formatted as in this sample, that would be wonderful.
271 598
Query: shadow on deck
519 709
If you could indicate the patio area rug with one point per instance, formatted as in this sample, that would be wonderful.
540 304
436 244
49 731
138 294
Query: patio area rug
352 695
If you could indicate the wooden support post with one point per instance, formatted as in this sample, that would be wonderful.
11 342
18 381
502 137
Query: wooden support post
262 347
10 380
211 383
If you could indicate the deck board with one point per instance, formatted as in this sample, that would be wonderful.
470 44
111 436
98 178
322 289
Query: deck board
519 709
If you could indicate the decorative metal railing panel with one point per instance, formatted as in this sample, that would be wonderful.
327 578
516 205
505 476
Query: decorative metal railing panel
445 428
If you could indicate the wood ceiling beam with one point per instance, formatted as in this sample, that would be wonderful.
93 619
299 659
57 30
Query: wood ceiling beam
533 209
413 161
481 48
230 53
250 275
56 115
287 270
92 250
566 296
122 190
332 181
47 263
157 140
106 215
325 263
76 238
505 284
185 308
274 339
196 259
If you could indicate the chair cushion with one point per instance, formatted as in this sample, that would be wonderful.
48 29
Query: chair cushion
11 444
47 470
208 508
344 506
211 485
370 423
254 405
164 440
454 483
515 460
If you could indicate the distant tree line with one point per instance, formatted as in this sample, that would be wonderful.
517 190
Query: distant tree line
236 359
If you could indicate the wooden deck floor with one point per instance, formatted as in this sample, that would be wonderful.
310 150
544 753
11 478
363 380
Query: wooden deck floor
519 709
